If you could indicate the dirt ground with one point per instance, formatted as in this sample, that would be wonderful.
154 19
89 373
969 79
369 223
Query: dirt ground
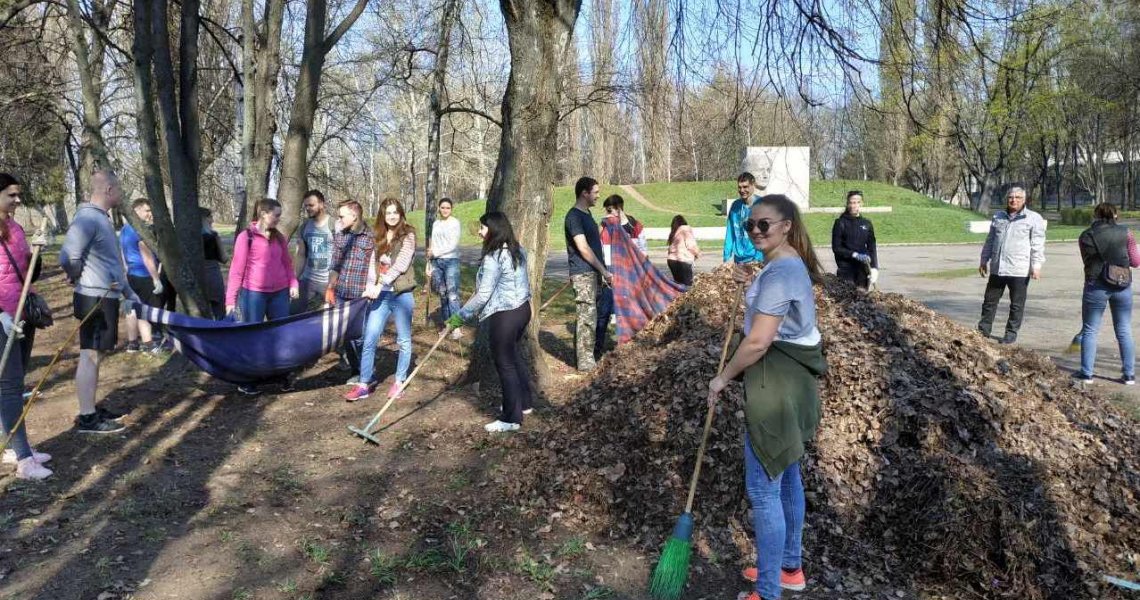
211 495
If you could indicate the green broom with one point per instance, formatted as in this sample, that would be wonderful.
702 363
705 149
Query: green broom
673 567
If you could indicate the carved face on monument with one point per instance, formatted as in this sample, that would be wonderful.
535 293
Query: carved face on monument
762 170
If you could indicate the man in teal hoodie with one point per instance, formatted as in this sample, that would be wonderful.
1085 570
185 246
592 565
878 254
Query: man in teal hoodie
737 246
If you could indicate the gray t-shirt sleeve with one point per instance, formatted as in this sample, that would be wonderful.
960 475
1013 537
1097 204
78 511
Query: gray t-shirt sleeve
776 291
574 225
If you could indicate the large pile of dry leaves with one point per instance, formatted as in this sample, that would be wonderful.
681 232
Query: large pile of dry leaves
943 462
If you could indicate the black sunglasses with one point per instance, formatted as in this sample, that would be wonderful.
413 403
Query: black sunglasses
762 224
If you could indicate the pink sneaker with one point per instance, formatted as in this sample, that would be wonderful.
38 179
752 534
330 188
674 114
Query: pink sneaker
10 456
28 468
395 391
358 392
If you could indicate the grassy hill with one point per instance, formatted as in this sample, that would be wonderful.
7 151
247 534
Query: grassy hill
914 218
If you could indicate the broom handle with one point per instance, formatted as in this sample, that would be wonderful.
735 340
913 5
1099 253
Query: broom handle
712 408
556 294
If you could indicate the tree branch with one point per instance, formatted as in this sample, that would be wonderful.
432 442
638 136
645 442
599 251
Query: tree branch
344 25
472 111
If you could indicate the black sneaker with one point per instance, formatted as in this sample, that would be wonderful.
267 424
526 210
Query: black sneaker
108 415
133 347
248 390
288 384
93 424
1008 339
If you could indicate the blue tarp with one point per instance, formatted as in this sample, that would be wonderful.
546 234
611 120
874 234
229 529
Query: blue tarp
260 352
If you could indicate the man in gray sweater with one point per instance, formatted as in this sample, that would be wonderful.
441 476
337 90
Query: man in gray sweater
90 257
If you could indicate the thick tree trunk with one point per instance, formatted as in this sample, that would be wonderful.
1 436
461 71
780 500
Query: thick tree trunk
539 33
295 156
261 65
177 240
435 100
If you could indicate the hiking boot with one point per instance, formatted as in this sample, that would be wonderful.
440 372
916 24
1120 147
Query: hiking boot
132 347
501 427
109 415
248 390
10 457
789 580
28 468
396 390
93 424
1008 339
358 392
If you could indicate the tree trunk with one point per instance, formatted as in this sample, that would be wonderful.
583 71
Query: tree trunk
261 65
438 91
93 154
177 240
540 34
295 156
652 19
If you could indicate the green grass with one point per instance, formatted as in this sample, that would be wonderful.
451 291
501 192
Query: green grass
951 273
914 219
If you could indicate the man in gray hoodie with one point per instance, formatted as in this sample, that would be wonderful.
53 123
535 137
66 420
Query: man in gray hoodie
90 257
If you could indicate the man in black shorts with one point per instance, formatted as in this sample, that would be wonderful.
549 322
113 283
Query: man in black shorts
90 257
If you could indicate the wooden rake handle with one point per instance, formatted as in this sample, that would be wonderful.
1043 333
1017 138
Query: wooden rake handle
391 399
556 295
712 408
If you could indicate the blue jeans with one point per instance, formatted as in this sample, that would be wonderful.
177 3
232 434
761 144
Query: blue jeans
12 392
399 306
605 312
257 306
448 274
777 518
1093 302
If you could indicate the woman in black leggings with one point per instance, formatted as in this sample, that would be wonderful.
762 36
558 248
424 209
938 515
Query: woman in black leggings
502 298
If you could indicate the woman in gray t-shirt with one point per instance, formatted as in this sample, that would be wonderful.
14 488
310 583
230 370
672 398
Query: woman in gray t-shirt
781 358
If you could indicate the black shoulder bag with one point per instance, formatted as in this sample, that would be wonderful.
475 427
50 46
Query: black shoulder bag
37 313
1116 276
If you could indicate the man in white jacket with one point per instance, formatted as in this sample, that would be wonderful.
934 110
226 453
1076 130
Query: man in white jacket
1012 255
443 261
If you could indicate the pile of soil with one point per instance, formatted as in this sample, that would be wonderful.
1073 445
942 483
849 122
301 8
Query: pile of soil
944 463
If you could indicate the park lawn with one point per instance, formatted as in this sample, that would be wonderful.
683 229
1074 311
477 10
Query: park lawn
915 219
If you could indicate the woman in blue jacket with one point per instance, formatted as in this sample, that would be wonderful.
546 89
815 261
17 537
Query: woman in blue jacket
502 298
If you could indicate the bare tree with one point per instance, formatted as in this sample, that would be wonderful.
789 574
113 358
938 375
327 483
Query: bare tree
295 155
261 65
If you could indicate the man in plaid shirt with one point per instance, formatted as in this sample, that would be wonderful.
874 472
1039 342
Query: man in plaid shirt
353 247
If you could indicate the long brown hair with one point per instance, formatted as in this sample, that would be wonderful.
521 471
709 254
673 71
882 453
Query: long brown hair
798 237
383 246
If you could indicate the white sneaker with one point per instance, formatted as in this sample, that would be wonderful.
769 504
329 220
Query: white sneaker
30 469
527 411
500 427
456 334
10 457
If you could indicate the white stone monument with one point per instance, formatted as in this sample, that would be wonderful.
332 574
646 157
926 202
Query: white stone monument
780 170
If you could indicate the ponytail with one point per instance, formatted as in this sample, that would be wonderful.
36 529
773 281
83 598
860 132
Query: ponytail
798 237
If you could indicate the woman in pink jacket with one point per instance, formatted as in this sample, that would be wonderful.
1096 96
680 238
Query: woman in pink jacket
15 260
261 280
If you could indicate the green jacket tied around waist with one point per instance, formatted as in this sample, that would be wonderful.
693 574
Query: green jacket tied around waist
781 395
